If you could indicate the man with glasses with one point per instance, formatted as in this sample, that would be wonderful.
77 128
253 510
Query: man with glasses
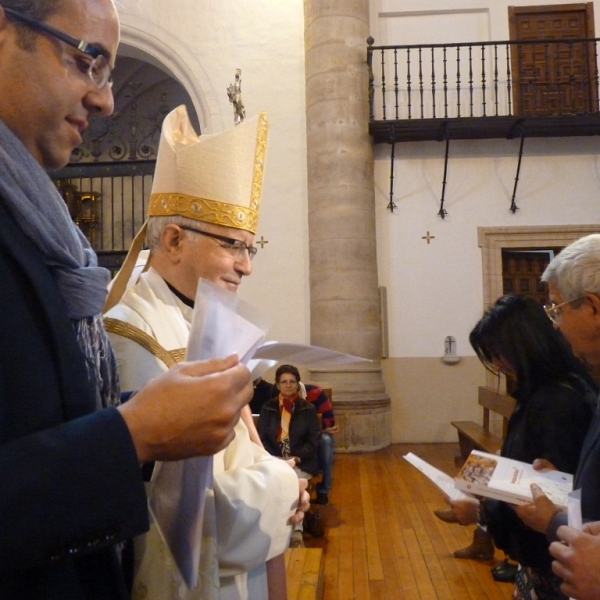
573 279
203 214
71 488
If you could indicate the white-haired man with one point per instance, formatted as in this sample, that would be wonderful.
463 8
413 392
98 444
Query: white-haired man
573 278
202 219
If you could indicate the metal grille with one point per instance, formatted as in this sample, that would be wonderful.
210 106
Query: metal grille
112 200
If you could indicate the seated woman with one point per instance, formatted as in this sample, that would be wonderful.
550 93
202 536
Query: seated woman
288 428
555 398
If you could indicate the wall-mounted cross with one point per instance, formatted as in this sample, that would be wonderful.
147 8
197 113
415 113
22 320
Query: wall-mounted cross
262 242
428 237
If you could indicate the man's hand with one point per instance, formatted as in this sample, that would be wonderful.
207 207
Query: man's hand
578 561
188 411
466 511
593 527
303 502
541 463
537 514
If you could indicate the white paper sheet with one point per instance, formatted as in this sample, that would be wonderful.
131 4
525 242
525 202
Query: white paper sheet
443 481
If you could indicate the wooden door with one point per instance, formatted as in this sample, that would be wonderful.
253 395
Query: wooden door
522 269
521 272
553 78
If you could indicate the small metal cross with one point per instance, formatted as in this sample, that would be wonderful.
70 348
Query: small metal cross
428 237
262 242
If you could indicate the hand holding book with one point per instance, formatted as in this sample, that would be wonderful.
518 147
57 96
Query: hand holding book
538 513
510 480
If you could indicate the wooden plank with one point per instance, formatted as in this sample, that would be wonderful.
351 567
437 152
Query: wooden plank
481 439
372 542
310 586
419 567
356 508
293 574
500 403
436 573
286 557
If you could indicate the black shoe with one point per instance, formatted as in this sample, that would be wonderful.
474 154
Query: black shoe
313 524
322 498
505 571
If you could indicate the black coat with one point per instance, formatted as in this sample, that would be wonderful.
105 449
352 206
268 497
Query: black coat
587 477
551 424
304 432
71 484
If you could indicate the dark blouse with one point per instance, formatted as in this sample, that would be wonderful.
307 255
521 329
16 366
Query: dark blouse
550 424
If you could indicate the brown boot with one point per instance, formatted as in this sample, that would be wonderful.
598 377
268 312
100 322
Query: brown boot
481 548
447 516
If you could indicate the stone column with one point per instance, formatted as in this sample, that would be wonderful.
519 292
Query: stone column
341 216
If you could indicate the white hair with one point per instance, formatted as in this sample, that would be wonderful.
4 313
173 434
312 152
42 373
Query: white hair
156 226
575 271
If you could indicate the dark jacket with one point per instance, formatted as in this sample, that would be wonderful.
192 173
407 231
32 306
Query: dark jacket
551 424
304 432
71 484
587 477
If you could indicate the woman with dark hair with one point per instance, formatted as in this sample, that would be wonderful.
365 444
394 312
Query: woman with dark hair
555 402
289 428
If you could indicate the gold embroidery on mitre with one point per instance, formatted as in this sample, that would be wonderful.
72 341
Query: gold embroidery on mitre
203 209
259 162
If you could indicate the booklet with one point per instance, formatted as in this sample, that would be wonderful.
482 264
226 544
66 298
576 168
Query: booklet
443 481
506 479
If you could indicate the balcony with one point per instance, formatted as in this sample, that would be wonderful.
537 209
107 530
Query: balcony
483 90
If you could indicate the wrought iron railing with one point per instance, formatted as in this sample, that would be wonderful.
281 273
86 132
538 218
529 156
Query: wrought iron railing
109 203
483 79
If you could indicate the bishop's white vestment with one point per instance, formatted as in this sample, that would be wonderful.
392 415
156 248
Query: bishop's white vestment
253 496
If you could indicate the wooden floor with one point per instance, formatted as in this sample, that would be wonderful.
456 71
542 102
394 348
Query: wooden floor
382 540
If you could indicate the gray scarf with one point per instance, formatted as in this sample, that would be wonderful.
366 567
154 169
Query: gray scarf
38 208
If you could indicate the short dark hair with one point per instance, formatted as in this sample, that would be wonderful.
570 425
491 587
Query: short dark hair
291 369
36 9
517 330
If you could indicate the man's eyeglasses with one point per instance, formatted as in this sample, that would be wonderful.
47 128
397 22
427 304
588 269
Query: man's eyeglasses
99 71
554 311
234 247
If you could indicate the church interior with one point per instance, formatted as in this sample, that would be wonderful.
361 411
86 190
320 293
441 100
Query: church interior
416 170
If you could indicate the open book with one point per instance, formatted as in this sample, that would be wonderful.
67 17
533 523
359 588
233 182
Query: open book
506 479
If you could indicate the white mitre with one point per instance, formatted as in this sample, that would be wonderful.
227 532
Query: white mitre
212 178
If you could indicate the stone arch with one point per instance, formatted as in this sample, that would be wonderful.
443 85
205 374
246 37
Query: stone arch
164 51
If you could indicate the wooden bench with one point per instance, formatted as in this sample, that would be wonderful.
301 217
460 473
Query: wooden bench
472 436
304 573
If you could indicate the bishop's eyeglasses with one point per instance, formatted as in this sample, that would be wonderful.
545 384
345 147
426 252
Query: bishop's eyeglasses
235 247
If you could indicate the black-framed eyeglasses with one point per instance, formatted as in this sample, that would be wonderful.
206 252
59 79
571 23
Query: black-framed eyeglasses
235 247
99 71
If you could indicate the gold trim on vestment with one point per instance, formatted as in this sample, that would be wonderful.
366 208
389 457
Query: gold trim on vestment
146 341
